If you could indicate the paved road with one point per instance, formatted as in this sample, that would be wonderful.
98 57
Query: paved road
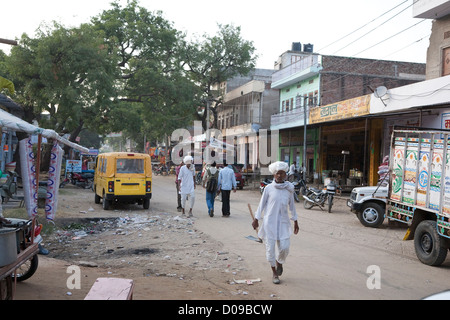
332 257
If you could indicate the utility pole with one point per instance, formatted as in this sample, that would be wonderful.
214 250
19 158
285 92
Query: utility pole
304 139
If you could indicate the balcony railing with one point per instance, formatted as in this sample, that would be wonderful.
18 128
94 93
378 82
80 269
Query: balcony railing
299 66
287 119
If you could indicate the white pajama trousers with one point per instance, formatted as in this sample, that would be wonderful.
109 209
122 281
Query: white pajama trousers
277 246
190 196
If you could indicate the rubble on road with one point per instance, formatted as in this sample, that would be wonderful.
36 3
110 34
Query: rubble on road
158 244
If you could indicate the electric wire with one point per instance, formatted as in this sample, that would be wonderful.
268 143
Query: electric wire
370 31
342 38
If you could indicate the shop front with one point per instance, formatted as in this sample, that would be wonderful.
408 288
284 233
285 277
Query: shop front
350 151
291 148
350 142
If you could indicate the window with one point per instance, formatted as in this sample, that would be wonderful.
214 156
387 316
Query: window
446 62
311 99
130 165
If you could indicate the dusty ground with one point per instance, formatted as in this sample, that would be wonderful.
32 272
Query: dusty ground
198 259
165 255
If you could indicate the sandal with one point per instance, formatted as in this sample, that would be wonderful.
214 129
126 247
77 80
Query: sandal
276 280
279 269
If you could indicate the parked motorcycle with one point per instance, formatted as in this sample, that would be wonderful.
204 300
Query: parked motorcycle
159 169
263 184
299 189
198 178
82 180
8 190
320 198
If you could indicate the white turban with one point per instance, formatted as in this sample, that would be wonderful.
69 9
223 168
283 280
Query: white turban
277 166
187 160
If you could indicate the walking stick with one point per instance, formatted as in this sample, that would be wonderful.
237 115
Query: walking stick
253 218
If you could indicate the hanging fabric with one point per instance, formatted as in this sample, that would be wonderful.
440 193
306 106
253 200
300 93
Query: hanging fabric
54 174
28 176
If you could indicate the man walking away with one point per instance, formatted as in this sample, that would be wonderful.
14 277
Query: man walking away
227 181
186 179
210 182
276 228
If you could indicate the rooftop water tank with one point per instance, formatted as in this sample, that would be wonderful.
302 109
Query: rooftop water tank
296 46
308 47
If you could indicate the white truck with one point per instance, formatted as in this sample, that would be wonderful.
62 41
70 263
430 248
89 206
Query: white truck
419 190
369 204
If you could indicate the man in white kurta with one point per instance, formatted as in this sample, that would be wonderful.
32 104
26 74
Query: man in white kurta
276 229
186 181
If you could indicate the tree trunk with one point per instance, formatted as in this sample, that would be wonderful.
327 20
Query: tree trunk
73 136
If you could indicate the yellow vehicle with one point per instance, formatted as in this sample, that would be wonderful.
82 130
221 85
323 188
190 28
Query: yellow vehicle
123 177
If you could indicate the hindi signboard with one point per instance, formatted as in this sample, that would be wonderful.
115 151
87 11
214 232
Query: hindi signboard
341 110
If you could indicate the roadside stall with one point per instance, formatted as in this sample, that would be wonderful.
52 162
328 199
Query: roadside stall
18 238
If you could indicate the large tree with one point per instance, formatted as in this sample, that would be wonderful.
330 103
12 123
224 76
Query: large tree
128 70
66 74
215 59
156 97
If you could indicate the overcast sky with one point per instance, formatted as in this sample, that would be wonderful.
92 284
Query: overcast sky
379 29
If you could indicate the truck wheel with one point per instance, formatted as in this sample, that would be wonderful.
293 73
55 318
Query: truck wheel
429 245
372 215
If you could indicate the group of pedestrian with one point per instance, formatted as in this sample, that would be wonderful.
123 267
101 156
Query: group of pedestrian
273 209
214 180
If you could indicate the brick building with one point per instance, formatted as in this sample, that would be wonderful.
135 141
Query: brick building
343 78
313 82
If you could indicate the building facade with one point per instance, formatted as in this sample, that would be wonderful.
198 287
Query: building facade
438 54
248 103
334 94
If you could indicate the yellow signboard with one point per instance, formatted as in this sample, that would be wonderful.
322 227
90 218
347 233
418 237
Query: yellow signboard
342 110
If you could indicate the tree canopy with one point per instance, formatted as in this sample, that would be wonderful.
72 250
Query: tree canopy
128 70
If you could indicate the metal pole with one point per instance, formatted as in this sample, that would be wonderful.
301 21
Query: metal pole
304 140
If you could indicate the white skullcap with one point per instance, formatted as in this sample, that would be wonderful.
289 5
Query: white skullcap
187 160
277 166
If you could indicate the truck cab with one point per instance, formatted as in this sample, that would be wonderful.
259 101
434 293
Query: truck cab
369 204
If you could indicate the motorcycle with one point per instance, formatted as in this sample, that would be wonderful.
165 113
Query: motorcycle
8 190
320 198
198 178
263 184
159 169
82 180
299 189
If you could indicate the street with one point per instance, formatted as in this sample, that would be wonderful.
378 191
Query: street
332 257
